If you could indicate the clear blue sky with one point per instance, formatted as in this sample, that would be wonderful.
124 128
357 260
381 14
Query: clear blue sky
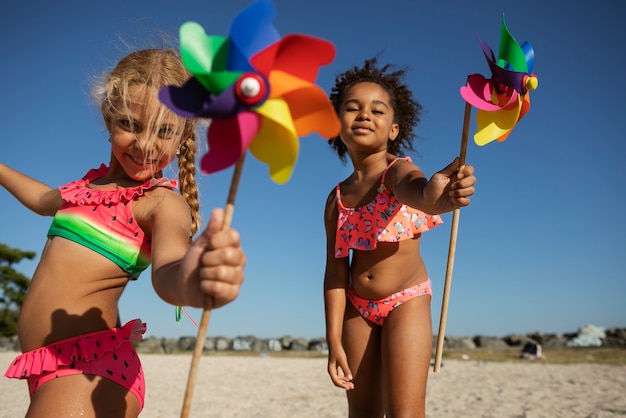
541 248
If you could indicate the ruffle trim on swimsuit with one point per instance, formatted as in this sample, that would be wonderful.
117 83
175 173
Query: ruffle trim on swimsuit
65 352
76 192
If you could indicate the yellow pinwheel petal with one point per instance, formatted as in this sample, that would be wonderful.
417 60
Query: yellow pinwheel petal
276 144
492 125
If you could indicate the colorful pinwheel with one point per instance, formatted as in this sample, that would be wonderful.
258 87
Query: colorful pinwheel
503 100
257 88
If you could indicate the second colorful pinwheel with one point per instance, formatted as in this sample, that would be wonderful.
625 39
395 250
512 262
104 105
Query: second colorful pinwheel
501 102
504 99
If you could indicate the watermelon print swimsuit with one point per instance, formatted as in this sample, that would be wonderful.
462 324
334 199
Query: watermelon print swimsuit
103 221
384 219
109 353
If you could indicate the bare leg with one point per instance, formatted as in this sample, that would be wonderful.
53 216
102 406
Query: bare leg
362 346
406 352
82 395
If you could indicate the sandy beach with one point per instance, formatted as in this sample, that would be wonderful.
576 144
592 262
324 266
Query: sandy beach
261 386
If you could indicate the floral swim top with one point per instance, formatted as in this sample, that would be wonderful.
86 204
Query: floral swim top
384 219
103 221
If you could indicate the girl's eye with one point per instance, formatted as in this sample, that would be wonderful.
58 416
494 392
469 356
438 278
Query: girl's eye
129 125
167 133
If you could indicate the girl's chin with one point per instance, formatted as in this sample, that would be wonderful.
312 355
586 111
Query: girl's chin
140 171
143 174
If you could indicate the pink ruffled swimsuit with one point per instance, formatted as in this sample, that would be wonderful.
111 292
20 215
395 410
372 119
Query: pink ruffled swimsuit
109 353
384 219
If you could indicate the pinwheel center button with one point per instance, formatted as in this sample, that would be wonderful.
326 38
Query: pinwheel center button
251 89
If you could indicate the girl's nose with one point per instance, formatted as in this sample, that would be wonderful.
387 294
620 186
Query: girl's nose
363 115
141 139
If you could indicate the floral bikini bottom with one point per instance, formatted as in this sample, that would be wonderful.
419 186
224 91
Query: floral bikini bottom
377 310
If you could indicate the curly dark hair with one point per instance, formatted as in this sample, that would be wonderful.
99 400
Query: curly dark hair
406 109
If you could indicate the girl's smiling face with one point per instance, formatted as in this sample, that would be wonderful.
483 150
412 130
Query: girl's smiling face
144 134
367 118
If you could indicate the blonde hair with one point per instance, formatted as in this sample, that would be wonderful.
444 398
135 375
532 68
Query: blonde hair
155 68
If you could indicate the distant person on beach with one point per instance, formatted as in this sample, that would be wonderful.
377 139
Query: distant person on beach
376 288
108 227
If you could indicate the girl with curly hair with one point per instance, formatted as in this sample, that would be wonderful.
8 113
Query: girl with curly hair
377 290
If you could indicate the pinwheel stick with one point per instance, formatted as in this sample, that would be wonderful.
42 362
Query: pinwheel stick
208 301
452 248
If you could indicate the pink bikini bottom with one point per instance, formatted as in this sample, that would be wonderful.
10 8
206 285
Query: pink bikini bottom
108 353
377 310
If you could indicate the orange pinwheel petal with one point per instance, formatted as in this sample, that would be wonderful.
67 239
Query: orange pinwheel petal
310 108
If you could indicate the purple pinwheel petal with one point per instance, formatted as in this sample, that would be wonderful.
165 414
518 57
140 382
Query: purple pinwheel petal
187 101
513 79
224 106
192 100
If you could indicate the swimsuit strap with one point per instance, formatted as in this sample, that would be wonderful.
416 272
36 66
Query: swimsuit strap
382 180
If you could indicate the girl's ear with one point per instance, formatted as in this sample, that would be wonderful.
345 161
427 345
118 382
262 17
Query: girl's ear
394 131
107 123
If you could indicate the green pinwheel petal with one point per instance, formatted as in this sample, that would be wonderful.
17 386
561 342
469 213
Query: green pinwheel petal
510 51
218 82
206 57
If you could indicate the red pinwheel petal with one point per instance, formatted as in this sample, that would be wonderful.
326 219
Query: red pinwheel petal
298 55
229 139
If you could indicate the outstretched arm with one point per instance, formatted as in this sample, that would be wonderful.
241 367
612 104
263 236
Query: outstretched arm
36 196
182 274
448 188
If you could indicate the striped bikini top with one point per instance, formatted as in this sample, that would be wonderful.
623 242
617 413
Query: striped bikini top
384 219
103 221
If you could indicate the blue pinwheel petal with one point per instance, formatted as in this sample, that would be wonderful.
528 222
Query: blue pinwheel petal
251 31
529 53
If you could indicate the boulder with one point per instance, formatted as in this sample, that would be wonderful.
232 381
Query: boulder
588 336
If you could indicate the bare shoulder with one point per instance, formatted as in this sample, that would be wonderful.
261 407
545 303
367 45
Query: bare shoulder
401 163
161 206
331 201
402 168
